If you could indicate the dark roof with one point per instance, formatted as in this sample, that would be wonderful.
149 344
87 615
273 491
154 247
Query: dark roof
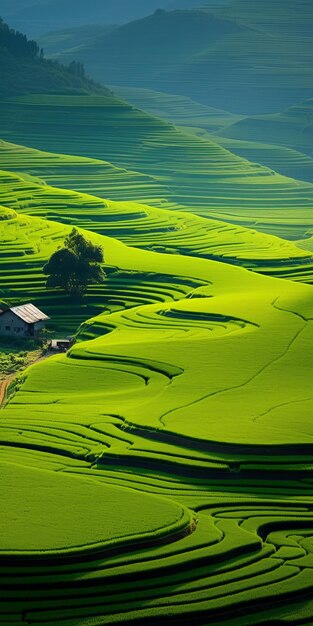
28 313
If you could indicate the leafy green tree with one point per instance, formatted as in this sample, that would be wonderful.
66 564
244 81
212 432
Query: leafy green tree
76 265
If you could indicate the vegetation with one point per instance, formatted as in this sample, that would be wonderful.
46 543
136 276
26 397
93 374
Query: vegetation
238 57
12 362
159 471
76 265
24 68
16 43
127 421
39 16
194 173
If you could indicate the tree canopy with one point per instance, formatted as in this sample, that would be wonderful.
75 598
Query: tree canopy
17 43
76 265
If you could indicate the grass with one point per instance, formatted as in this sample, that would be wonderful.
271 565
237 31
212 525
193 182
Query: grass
196 174
224 128
161 470
292 127
177 109
249 60
147 227
63 526
139 427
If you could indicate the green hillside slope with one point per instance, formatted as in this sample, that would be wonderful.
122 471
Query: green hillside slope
222 126
233 511
179 110
24 69
235 59
132 52
159 229
63 40
159 472
293 128
201 175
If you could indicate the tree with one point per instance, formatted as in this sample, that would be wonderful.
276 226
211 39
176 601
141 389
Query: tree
77 69
76 265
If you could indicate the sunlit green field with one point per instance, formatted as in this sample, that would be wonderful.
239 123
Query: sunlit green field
177 466
198 174
161 470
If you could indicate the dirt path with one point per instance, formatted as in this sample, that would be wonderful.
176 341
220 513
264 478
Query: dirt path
3 389
4 384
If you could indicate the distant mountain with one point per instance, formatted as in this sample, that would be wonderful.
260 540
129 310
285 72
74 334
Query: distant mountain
37 17
142 51
24 69
236 58
64 41
172 5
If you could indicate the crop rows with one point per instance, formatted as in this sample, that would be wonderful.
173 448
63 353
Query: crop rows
202 176
133 493
158 229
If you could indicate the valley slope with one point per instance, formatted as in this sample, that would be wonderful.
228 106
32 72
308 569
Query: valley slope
139 416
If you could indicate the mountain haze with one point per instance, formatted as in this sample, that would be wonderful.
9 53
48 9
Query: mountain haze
41 16
242 57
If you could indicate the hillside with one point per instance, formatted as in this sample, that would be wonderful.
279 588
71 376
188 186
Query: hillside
158 472
293 128
179 110
255 72
133 54
65 40
37 17
234 60
139 417
137 224
199 175
24 69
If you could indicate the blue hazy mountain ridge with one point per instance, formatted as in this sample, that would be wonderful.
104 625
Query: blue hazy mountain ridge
36 17
131 53
245 62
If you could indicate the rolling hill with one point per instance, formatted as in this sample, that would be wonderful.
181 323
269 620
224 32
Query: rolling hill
200 175
196 513
238 61
178 110
36 17
245 139
24 69
160 471
132 52
140 225
293 128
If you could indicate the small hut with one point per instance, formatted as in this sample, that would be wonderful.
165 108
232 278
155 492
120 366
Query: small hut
22 321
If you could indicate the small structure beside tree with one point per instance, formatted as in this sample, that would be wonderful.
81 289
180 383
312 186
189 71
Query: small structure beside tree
60 345
22 321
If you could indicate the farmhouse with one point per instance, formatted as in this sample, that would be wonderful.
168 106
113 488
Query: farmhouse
22 321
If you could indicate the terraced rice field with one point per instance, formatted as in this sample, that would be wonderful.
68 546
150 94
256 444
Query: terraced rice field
157 229
160 471
224 130
201 176
177 511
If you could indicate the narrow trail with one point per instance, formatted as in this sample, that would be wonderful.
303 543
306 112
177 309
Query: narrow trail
3 389
6 382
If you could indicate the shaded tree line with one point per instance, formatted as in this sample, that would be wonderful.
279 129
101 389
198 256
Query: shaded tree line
17 43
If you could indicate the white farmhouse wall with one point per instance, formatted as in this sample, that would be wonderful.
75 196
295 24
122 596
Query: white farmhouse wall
12 326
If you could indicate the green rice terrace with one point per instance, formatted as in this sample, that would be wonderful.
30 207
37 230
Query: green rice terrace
159 470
